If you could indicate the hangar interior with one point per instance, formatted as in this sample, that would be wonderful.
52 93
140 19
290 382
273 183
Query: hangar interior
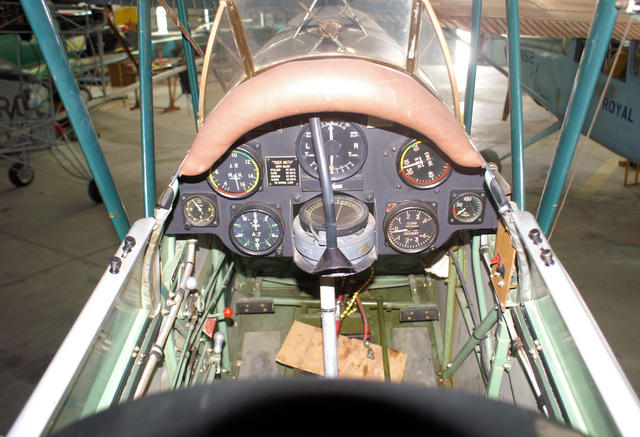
56 241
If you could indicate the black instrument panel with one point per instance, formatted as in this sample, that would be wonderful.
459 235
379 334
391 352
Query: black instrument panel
418 197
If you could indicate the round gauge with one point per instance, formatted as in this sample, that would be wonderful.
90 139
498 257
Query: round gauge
198 211
410 227
352 215
256 230
236 176
467 208
420 165
344 143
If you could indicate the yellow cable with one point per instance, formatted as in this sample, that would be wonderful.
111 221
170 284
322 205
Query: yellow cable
349 307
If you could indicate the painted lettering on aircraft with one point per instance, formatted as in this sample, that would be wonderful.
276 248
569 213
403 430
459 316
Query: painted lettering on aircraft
10 108
618 109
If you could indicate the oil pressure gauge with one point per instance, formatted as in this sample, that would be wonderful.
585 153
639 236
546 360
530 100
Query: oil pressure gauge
411 227
198 211
466 207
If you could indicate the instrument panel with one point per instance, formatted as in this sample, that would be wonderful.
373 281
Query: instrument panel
395 191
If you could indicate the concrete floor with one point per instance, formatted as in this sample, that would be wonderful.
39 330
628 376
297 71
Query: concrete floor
55 242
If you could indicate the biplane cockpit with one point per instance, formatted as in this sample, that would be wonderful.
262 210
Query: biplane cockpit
332 218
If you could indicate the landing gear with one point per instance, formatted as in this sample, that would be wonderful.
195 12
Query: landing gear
21 175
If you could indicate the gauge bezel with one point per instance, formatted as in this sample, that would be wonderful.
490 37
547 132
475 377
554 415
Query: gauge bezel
455 195
400 208
358 224
262 208
246 150
188 221
314 174
414 184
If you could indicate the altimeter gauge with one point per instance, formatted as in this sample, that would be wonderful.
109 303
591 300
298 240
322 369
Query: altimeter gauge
410 227
466 208
420 165
256 229
236 175
345 145
198 211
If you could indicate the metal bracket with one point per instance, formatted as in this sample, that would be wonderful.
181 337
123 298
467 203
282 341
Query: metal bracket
256 306
419 314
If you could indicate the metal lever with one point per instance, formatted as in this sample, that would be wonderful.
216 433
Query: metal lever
332 260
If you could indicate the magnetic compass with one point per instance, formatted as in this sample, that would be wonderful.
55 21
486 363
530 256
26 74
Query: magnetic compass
351 215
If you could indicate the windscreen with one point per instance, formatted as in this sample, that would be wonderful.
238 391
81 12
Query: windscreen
397 33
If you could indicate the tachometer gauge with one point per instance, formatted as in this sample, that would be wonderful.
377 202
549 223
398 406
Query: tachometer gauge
198 211
237 175
421 166
466 208
256 229
410 227
346 148
351 215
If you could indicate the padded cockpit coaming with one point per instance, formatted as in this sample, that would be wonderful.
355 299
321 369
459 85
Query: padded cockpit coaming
328 85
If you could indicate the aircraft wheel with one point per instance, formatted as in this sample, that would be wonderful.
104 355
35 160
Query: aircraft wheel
94 193
21 175
491 155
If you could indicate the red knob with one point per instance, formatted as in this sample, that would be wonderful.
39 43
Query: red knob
227 312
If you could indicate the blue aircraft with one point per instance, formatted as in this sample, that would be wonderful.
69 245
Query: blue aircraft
553 36
549 66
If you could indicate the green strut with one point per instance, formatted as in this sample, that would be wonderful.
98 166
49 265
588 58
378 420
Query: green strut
41 22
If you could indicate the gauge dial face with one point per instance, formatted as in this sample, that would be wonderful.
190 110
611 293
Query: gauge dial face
351 215
410 227
236 176
198 211
256 230
467 208
345 145
421 166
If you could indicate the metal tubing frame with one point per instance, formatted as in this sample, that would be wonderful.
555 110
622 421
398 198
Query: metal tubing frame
478 334
500 360
41 22
544 133
449 315
515 102
189 59
146 109
470 89
604 20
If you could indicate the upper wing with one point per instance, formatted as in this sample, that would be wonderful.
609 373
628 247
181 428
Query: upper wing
546 18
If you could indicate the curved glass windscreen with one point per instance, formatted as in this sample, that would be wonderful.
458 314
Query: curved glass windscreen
286 29
254 35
